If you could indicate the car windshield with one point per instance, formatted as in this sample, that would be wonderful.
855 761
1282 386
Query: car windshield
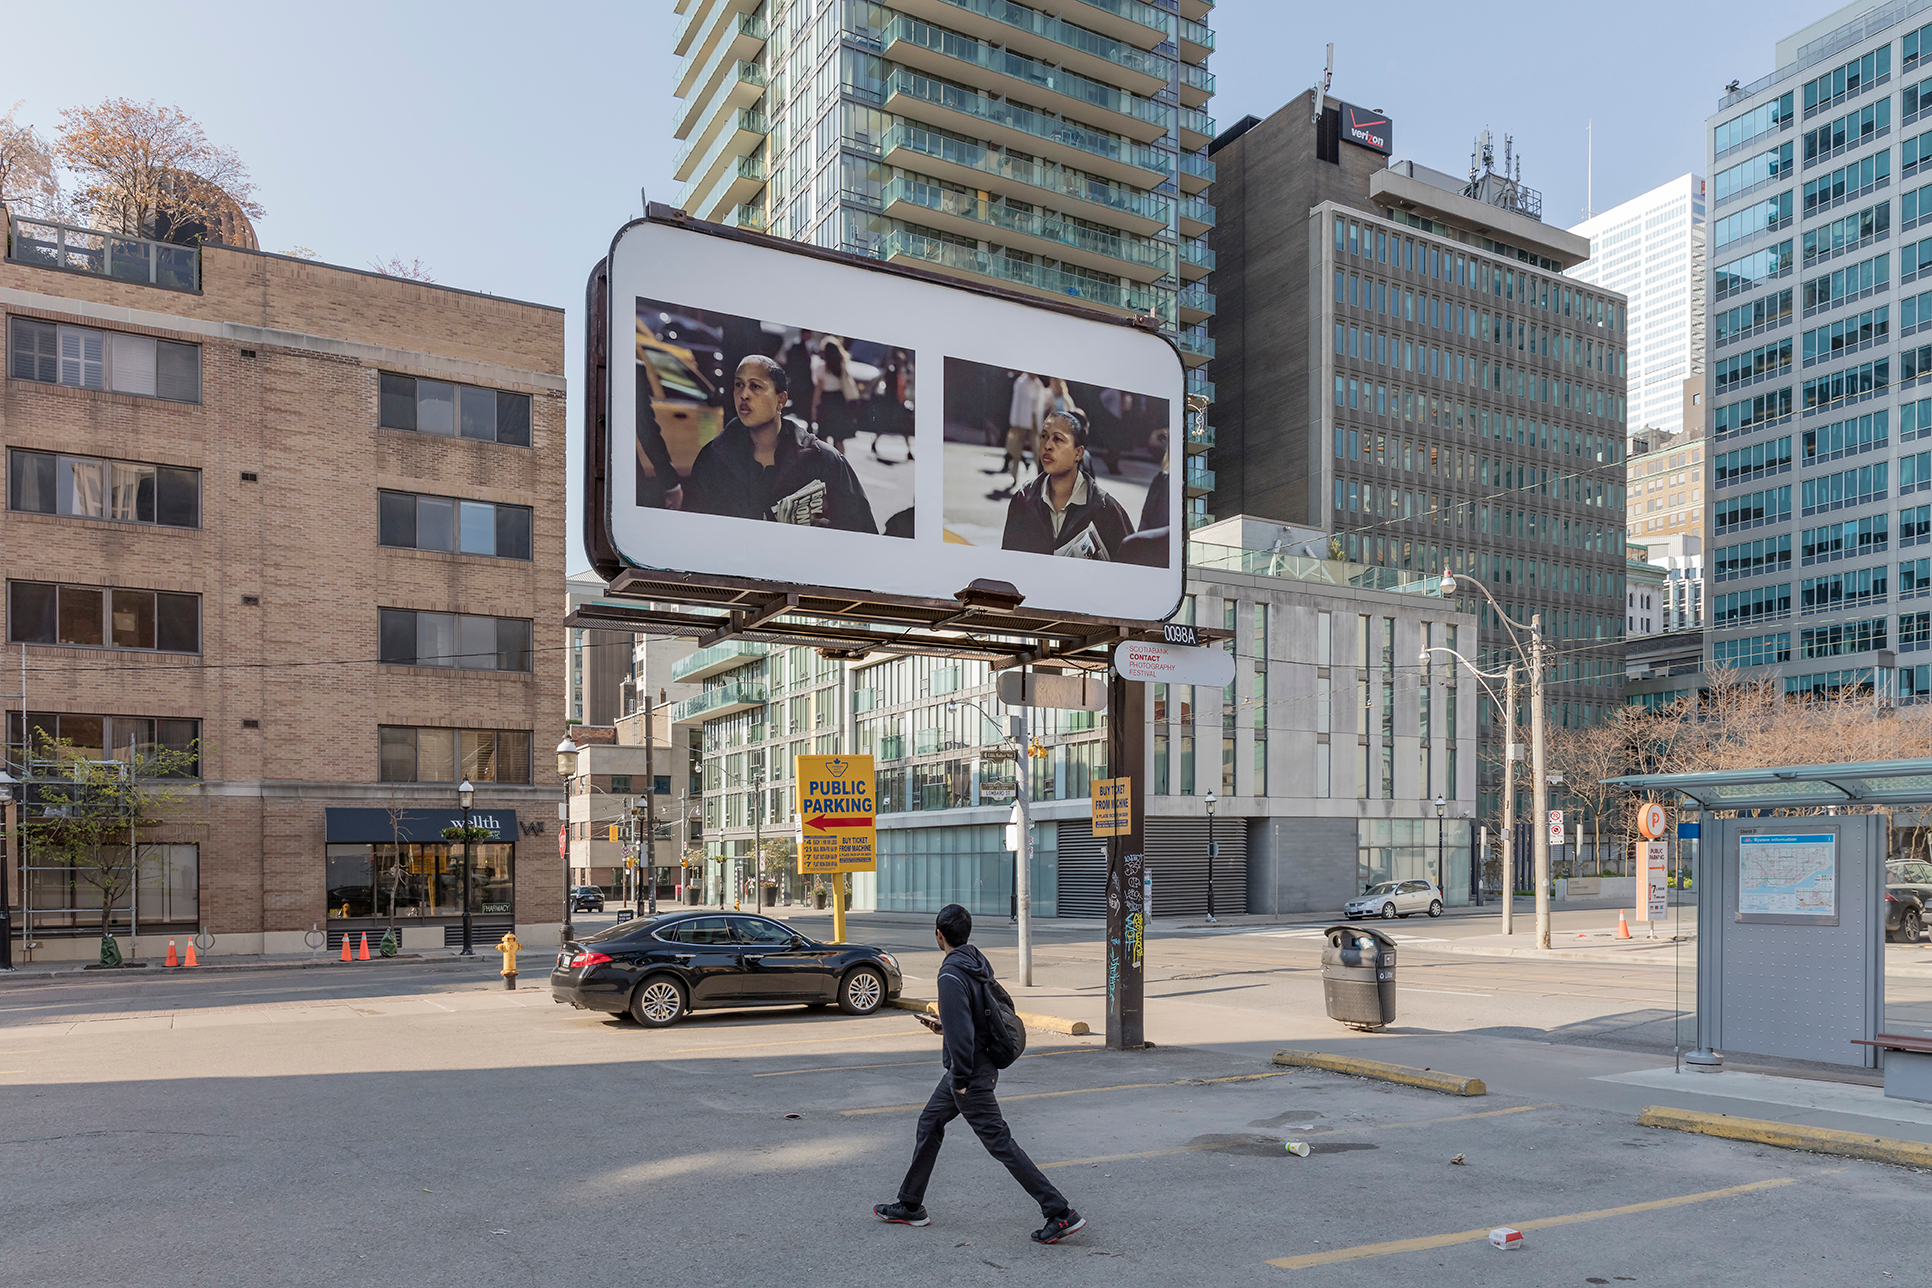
1387 887
622 930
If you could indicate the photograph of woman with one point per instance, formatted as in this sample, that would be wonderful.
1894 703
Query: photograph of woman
1064 510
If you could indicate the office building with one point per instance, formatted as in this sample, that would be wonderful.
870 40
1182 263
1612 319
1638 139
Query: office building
1650 250
1818 456
1404 364
600 678
1055 150
302 526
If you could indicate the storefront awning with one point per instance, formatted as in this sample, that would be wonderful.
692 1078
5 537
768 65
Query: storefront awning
386 827
1874 782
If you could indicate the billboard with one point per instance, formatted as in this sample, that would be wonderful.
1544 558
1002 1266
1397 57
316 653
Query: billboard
913 435
1366 129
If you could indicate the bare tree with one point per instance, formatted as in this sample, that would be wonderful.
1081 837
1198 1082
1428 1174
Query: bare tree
29 184
144 166
415 270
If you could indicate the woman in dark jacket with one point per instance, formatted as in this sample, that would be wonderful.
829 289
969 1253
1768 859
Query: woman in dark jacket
1064 508
763 458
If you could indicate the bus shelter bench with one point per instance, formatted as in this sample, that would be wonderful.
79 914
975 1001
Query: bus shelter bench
1908 1065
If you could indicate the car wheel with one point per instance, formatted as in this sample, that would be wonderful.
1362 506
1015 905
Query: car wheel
658 1002
1911 925
1388 912
862 992
1435 907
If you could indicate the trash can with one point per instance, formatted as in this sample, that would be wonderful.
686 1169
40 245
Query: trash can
1358 976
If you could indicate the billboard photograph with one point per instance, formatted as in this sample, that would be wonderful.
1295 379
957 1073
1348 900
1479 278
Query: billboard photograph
1044 465
912 434
753 419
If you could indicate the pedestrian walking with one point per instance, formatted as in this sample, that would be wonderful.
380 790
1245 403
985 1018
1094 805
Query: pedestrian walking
965 1090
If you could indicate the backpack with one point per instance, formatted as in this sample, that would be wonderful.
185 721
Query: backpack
1004 1033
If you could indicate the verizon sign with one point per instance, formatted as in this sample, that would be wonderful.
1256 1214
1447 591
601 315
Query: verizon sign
1366 129
1174 664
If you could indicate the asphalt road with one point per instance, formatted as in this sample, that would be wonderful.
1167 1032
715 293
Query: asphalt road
416 1123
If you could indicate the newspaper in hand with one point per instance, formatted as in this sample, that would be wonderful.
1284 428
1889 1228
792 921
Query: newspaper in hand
803 507
1085 545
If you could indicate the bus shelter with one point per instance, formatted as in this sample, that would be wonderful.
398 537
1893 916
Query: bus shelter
1798 870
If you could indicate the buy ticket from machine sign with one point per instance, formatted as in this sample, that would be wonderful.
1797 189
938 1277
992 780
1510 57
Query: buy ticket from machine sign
837 814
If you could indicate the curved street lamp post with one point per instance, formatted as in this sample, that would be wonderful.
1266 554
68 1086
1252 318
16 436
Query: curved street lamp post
1508 703
464 792
1213 851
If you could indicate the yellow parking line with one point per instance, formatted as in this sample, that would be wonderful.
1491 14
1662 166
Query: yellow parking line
854 1037
1542 1223
1326 1131
1082 1091
907 1064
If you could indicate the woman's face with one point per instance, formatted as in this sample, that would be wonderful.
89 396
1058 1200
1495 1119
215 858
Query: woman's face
1060 452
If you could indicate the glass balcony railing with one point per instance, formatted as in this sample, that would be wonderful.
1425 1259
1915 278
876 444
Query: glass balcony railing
101 254
748 216
1196 341
749 119
1197 299
1197 519
1197 211
721 700
965 205
1087 42
1198 477
719 657
1199 122
1110 147
1040 75
1199 78
1198 384
1035 174
1019 272
1195 251
1196 164
1333 572
1134 11
1200 438
748 25
1196 34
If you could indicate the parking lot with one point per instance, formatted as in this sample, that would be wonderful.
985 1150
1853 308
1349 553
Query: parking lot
419 1124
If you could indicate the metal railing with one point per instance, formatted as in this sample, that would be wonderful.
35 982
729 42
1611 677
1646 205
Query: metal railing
1002 268
1333 572
716 699
1044 175
966 205
706 658
1061 33
1048 129
118 256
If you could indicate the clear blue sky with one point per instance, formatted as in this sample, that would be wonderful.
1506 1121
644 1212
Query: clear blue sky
504 144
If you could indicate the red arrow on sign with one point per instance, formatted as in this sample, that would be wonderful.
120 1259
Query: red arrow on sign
821 822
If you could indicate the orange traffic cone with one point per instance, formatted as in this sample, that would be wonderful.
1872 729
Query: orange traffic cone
172 959
191 954
1623 927
345 947
363 955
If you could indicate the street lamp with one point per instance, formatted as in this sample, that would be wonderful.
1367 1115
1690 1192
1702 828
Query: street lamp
1213 849
567 770
14 833
1508 702
464 793
1441 805
1022 902
1539 784
757 776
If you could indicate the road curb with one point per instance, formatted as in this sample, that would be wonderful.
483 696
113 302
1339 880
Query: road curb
1431 1079
1556 952
1819 1140
1047 1023
23 976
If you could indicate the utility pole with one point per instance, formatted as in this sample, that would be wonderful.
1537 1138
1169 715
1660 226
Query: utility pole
647 843
1540 783
1023 847
1510 749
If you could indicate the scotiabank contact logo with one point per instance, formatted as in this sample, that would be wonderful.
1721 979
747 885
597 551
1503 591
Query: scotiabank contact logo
1365 129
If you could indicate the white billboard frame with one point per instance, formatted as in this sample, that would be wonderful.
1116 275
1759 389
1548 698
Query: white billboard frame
698 266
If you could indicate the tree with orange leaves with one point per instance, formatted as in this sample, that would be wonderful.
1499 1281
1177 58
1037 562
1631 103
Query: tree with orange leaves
144 168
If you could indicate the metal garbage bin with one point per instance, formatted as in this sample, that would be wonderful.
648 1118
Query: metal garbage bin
1358 976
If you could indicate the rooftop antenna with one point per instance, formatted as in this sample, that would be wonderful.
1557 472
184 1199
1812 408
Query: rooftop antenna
1590 171
1321 90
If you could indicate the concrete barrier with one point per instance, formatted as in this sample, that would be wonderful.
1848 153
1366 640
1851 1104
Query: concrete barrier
1448 1083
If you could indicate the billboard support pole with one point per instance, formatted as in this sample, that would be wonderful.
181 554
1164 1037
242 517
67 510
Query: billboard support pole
1126 913
1023 849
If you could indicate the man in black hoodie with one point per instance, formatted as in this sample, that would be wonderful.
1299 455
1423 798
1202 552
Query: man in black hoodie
966 1090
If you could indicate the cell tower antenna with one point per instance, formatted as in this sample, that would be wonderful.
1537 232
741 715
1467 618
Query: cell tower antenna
1321 90
1590 171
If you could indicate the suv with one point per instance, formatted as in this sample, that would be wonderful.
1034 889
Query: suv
1908 893
586 899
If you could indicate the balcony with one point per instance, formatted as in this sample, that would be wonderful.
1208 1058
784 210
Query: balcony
723 700
704 18
1037 35
1199 439
735 185
97 254
1195 128
1199 385
1197 85
748 216
1197 10
948 54
1196 260
1197 519
738 84
949 107
971 216
716 660
1196 216
1197 346
970 164
744 132
1197 479
739 36
1195 40
1196 173
1034 279
1140 25
1196 304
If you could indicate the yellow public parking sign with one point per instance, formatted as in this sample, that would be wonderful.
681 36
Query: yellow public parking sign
1112 805
837 814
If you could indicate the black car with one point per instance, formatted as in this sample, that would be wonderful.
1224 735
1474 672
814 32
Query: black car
586 899
657 969
1908 899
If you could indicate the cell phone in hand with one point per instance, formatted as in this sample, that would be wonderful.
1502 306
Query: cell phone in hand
929 1022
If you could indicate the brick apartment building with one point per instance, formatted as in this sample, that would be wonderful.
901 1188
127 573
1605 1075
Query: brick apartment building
310 521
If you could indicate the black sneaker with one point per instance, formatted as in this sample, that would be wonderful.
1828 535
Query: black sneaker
903 1214
1059 1227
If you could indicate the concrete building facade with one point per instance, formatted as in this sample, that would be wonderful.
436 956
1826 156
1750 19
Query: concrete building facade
307 523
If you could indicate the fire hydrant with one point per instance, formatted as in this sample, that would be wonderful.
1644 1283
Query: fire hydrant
508 946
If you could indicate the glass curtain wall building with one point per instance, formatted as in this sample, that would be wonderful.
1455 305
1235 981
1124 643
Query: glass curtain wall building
1057 151
1651 251
1819 446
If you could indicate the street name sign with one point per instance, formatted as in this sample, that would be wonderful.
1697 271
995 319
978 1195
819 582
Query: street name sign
1174 664
837 814
1062 692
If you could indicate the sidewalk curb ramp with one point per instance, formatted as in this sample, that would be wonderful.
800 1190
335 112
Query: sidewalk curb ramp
1448 1083
1819 1140
1046 1023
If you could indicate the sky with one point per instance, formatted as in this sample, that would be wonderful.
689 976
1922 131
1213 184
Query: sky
503 145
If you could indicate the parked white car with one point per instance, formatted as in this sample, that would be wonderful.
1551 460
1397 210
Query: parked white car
1392 899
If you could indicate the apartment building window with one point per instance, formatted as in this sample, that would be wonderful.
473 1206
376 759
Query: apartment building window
428 755
454 411
56 354
460 640
40 612
412 522
87 487
99 737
